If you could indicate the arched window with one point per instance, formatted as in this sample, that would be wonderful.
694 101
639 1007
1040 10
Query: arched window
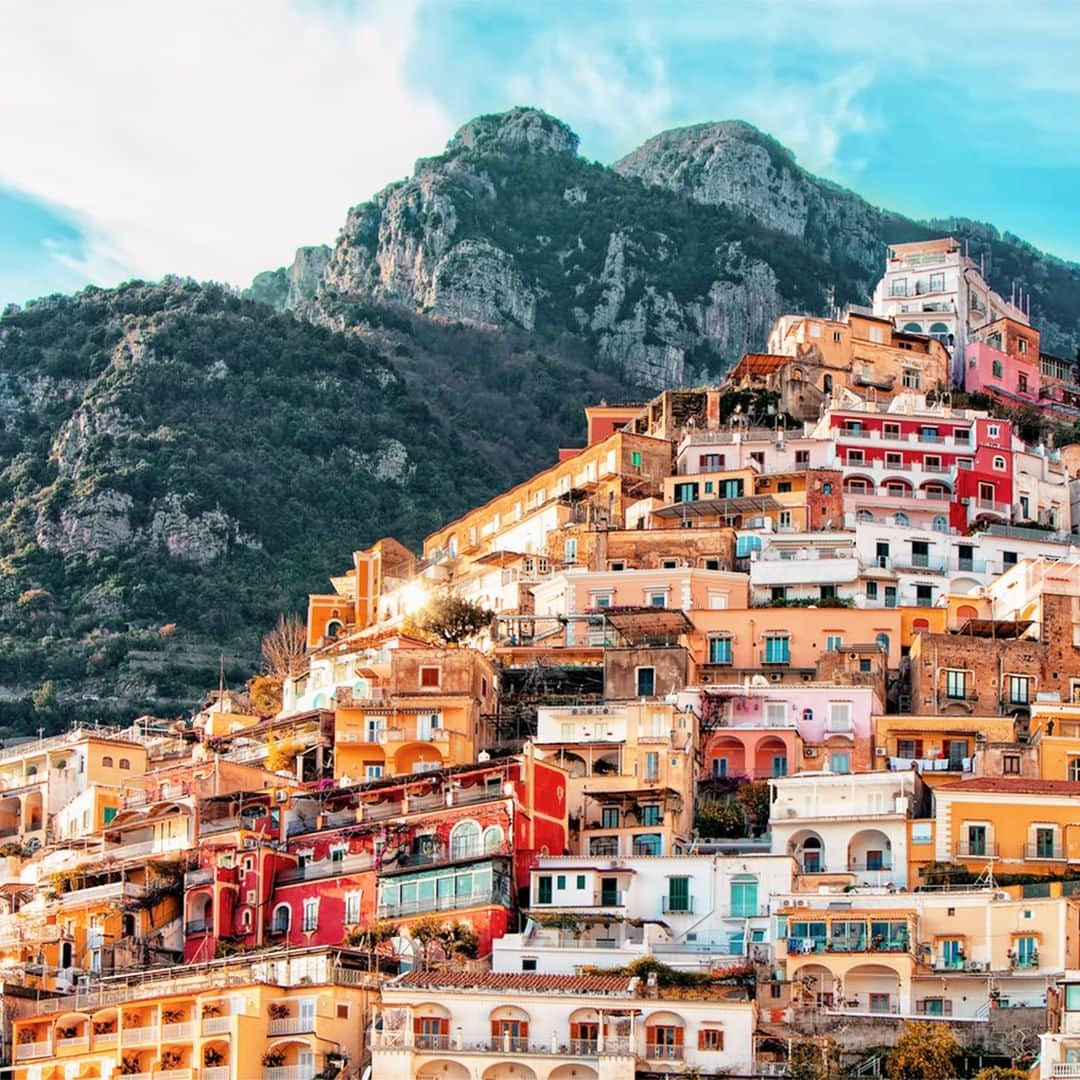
245 918
883 641
864 515
333 628
920 624
282 919
464 840
902 518
913 328
493 838
107 762
999 463
941 523
124 763
940 331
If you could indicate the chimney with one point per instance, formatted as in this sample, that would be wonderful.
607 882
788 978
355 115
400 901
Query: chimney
712 409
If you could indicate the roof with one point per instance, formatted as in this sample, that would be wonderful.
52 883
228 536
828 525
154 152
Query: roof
525 982
1013 785
995 628
743 504
759 364
643 624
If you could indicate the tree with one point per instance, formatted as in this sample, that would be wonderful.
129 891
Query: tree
451 619
924 1051
1000 1072
813 1060
756 802
46 704
284 649
265 693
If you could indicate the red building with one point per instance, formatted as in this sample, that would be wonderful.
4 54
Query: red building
929 466
455 842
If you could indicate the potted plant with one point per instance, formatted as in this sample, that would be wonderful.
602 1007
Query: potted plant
172 1016
129 1065
171 1059
278 1010
212 1056
210 1009
273 1059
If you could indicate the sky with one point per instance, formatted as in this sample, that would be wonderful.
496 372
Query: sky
212 139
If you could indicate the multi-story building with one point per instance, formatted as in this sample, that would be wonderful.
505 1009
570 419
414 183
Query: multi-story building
921 464
460 1024
270 1015
806 567
690 912
763 731
846 829
1002 360
631 767
932 287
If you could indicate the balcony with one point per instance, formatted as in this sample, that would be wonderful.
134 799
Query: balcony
979 507
508 1044
481 898
196 927
28 1050
216 1072
77 1042
1042 852
174 1074
325 868
113 890
658 1052
969 849
173 1032
216 1025
1065 1069
144 1036
292 1025
289 1072
203 876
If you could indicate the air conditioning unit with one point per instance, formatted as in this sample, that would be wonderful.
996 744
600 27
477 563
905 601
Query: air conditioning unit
809 751
881 751
282 795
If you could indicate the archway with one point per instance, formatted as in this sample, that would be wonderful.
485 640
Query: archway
505 1070
200 913
870 850
417 757
771 758
873 988
443 1070
573 1072
808 850
726 757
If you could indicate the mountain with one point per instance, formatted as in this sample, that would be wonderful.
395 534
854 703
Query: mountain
179 463
667 266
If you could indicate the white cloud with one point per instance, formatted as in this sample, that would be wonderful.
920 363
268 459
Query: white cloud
207 138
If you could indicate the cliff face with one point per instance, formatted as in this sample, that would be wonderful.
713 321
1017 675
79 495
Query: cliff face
667 266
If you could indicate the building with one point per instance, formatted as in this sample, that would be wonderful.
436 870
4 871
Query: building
846 829
1002 360
459 1024
269 1015
690 912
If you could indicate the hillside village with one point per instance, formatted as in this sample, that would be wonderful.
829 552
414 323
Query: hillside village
733 743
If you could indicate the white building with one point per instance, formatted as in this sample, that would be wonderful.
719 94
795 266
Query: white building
689 911
852 825
805 566
461 1025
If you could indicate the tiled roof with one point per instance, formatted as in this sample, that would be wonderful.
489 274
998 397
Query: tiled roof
1014 785
518 982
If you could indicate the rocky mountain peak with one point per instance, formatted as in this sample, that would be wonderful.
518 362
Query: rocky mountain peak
520 129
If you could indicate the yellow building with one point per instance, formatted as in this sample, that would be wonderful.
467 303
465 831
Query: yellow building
273 1016
941 748
1008 822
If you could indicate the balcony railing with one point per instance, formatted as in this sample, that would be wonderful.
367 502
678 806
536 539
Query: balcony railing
169 1032
290 1072
974 849
197 926
431 1042
203 876
1065 1069
292 1025
216 1072
79 1042
312 871
443 903
174 1074
1044 851
143 1036
509 1044
657 1052
677 905
25 1051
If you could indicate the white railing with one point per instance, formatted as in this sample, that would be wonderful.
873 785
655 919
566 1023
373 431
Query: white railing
78 1042
177 1031
129 851
114 890
216 1072
289 1072
216 1025
143 1036
1065 1068
292 1025
32 1050
174 1074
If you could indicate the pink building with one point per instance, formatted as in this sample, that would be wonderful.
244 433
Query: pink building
753 731
1014 379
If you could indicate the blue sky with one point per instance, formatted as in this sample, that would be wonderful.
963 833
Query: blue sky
212 140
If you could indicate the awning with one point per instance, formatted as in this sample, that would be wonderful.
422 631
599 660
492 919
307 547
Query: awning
642 624
744 504
995 628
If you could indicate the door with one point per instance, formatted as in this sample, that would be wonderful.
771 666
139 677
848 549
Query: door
609 892
976 839
890 596
744 899
543 890
779 765
679 894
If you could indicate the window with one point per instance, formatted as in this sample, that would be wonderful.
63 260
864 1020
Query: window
710 1039
543 889
560 882
429 676
341 1010
785 518
609 817
282 919
1019 690
999 465
352 908
711 462
744 897
465 839
871 590
648 844
646 681
834 642
720 768
580 882
993 430
880 1003
1010 764
720 649
1008 558
777 649
924 595
882 640
1045 843
570 550
311 914
124 763
678 898
1021 345
1022 383
777 593
493 838
650 815
107 762
937 282
976 840
635 458
840 762
911 379
956 684
996 369
802 459
652 765
909 748
372 772
658 598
